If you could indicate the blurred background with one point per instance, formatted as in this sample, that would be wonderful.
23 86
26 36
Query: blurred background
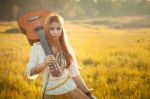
75 9
111 39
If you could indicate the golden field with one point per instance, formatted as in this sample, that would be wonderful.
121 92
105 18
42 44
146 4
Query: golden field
115 61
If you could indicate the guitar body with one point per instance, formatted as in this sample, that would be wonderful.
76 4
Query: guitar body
28 23
32 25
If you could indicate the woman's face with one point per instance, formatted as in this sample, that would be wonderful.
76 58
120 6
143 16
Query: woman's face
55 29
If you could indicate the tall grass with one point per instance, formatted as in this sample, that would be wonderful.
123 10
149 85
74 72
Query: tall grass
115 62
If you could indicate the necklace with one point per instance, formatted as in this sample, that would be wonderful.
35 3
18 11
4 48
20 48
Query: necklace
55 50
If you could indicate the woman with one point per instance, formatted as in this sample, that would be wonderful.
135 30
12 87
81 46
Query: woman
69 85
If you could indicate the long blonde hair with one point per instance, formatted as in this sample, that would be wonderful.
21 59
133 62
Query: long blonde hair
63 44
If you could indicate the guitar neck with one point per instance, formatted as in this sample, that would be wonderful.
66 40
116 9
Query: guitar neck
54 68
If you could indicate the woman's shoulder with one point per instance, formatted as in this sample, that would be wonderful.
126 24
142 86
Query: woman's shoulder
36 43
36 46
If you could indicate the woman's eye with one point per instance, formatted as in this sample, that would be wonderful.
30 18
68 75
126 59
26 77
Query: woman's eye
51 28
58 28
55 28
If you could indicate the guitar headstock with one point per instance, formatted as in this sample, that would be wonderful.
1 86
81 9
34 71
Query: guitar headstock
30 21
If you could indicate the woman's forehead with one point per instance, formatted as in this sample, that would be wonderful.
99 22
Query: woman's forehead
55 24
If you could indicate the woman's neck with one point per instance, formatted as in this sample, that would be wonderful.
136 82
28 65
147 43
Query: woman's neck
57 43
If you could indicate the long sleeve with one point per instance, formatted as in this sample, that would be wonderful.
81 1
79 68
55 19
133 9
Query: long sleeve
74 67
33 61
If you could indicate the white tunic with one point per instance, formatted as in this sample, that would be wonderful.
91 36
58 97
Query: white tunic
37 56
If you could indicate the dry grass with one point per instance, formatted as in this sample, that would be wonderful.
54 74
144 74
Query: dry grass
115 62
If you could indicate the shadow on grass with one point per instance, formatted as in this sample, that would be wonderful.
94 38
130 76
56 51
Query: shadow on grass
12 30
90 62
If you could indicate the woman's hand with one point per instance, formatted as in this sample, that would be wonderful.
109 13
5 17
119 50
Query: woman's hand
92 97
49 59
89 94
37 69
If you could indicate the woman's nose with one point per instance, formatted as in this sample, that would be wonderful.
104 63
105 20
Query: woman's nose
55 31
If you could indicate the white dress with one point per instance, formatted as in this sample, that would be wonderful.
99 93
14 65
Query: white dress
37 56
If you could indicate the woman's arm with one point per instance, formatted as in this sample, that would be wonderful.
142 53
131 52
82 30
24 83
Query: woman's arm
37 69
75 74
80 83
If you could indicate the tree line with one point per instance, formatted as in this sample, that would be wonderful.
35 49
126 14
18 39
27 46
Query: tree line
74 9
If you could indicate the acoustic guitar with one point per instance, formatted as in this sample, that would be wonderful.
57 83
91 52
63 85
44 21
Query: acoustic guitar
31 24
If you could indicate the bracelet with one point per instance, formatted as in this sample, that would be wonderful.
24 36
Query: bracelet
88 93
